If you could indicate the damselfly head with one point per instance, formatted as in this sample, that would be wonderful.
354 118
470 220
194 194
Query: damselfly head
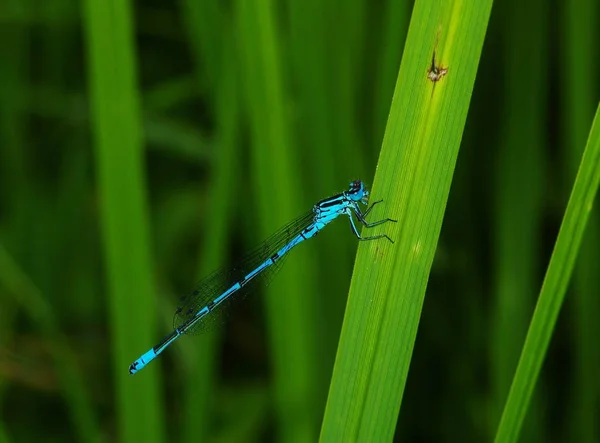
357 191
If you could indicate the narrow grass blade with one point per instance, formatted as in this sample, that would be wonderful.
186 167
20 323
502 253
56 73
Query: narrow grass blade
124 216
518 199
201 354
276 177
323 126
419 152
554 288
581 21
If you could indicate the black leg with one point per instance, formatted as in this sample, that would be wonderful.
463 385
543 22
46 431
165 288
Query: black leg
361 217
373 237
371 207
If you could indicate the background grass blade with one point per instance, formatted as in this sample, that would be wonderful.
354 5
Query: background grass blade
415 171
277 177
203 367
581 22
518 202
124 215
554 288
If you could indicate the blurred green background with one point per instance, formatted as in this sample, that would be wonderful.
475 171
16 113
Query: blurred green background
144 144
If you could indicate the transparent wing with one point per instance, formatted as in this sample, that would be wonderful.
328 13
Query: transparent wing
215 284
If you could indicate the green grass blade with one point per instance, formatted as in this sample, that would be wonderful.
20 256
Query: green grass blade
518 213
581 22
119 156
554 288
205 24
276 177
419 152
203 358
321 125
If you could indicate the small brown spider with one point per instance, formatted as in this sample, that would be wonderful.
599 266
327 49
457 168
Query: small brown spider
436 72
